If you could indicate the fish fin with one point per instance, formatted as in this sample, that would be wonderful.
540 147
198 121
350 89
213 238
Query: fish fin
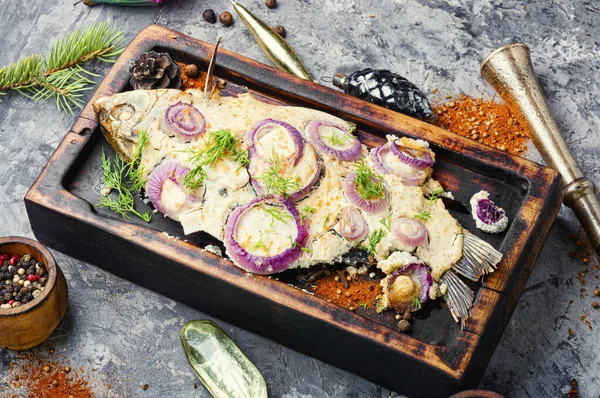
459 297
479 257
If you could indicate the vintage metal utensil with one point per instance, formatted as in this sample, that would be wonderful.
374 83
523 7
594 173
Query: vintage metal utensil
274 46
510 71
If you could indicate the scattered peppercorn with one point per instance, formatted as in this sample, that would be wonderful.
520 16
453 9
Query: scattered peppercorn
209 16
46 368
145 387
226 18
403 325
191 70
597 292
595 305
271 3
571 332
280 31
195 386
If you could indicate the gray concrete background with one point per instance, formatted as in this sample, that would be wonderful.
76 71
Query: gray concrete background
128 336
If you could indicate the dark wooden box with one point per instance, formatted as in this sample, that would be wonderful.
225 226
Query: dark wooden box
437 358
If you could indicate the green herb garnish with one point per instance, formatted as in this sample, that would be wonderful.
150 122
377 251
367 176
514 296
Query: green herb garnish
369 185
326 220
386 222
306 211
277 214
260 244
424 215
362 304
112 178
435 195
305 249
135 169
220 143
274 182
416 303
373 240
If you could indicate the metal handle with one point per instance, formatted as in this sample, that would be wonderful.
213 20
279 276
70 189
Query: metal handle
510 71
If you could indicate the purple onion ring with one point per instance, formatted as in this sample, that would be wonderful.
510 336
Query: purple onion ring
264 265
352 224
169 170
414 158
184 121
350 154
372 206
254 135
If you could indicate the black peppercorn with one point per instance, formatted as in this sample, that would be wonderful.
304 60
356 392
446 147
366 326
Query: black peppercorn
28 296
280 31
226 18
209 16
9 289
271 3
4 268
30 271
18 297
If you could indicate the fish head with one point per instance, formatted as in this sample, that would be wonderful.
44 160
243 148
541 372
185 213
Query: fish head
119 114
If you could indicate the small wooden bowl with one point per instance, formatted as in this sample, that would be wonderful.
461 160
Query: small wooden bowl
31 324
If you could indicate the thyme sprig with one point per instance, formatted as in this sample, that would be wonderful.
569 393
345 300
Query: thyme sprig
220 143
59 74
369 184
112 178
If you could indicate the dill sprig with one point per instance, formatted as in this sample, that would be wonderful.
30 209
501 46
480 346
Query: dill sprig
424 215
135 169
220 143
277 214
387 222
260 244
59 75
369 185
340 139
435 195
306 211
416 303
274 182
112 177
373 240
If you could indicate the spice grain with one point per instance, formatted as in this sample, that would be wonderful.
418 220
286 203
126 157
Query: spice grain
485 121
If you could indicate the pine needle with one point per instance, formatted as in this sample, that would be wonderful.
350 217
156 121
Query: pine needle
59 75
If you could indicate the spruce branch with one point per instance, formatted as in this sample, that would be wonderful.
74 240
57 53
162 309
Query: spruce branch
60 75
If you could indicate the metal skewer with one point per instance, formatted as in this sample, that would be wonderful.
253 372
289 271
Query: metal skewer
510 71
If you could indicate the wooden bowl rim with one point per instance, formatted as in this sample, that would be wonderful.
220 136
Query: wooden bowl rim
51 267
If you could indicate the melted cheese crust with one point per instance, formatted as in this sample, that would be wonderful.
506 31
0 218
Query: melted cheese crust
227 184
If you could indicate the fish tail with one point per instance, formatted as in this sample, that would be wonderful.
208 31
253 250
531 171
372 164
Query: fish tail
479 257
459 297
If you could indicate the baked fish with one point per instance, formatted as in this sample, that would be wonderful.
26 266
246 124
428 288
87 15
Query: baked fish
289 187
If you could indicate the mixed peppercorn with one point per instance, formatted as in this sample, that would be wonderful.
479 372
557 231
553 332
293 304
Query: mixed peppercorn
21 279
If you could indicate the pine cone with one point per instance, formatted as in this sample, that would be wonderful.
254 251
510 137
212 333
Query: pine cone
155 70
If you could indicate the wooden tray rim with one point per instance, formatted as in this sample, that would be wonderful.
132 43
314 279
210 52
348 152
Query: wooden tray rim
50 193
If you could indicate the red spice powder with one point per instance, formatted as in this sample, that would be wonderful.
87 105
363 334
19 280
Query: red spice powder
361 292
488 122
43 378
